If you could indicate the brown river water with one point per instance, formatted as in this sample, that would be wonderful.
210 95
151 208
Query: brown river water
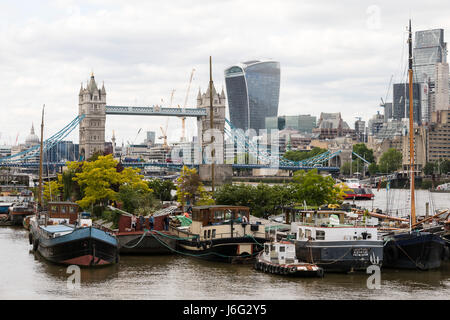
25 275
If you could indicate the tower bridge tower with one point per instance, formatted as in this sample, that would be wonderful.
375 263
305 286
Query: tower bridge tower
203 123
92 103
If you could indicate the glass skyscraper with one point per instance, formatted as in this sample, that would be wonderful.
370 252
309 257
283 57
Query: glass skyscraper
253 91
429 49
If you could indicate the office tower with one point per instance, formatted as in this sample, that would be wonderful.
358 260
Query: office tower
441 87
253 90
429 49
400 108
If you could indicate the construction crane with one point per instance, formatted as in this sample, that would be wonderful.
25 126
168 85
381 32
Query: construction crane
383 103
164 135
183 119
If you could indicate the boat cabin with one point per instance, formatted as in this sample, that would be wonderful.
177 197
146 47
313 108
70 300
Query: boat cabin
333 233
63 211
282 252
221 221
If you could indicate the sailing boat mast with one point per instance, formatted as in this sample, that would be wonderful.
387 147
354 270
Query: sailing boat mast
40 163
411 129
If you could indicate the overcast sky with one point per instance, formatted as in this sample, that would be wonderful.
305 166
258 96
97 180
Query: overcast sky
335 56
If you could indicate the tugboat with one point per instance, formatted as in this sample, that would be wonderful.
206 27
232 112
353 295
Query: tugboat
328 239
279 258
221 233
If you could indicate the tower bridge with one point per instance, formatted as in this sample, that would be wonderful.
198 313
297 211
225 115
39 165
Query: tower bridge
91 120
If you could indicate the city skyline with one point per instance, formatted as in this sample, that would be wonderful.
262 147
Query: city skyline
335 57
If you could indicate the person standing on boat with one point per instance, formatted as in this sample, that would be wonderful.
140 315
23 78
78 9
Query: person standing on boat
166 222
133 222
151 221
141 222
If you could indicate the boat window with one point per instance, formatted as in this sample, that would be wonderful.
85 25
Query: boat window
272 247
282 248
307 233
213 233
63 209
266 248
53 209
71 209
209 233
218 215
300 233
242 214
228 214
320 235
204 234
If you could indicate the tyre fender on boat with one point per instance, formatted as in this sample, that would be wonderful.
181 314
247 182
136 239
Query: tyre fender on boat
292 269
35 244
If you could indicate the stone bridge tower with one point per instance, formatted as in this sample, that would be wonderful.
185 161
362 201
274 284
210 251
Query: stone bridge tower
92 103
203 123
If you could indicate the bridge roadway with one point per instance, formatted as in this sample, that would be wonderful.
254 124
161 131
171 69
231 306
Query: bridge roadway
177 166
156 111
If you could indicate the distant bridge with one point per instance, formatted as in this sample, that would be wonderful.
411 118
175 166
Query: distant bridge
156 111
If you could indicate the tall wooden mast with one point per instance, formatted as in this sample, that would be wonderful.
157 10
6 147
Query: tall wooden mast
411 127
41 153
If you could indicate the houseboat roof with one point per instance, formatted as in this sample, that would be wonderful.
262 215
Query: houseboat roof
63 202
220 206
57 228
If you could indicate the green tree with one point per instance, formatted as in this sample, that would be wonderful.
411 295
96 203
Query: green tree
52 191
373 168
100 181
314 188
429 168
390 161
362 150
190 188
345 168
136 200
162 188
297 155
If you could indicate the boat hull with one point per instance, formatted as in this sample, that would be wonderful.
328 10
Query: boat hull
290 270
340 256
146 244
230 250
416 250
83 247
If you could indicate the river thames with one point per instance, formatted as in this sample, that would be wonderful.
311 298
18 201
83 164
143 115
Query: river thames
25 275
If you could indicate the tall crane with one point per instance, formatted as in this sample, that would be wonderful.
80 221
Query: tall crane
183 119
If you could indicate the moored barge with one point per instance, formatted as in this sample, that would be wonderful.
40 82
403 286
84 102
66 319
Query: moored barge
221 233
